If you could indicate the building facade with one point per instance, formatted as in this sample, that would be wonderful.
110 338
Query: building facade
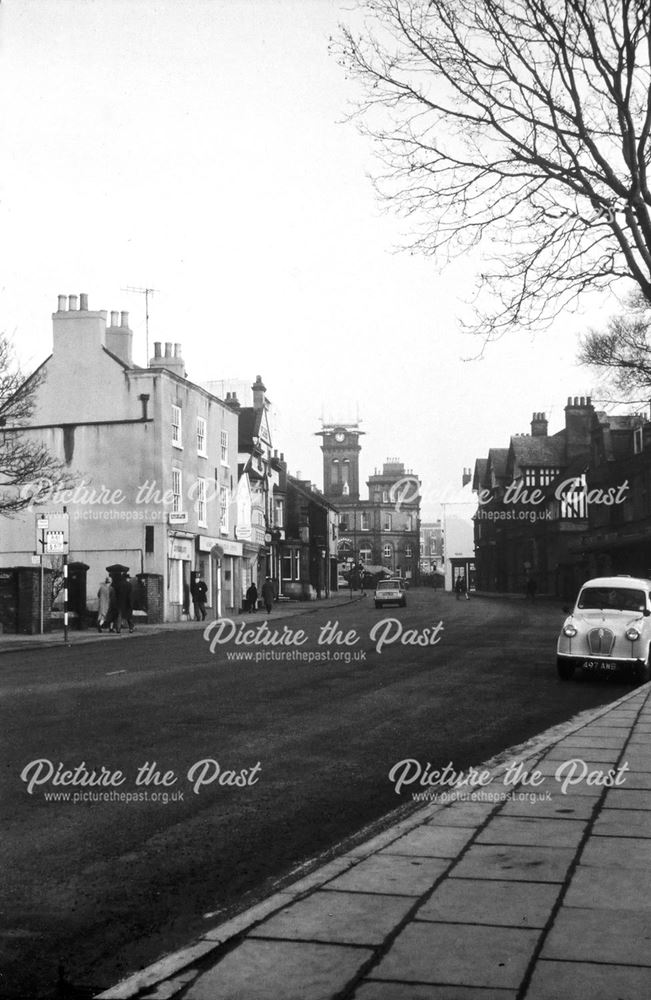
151 458
382 531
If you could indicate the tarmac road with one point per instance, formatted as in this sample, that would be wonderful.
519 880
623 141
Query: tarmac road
106 886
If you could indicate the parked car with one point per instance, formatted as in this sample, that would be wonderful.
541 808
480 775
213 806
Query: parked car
609 629
390 592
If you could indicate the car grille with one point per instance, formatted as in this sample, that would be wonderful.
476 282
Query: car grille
601 641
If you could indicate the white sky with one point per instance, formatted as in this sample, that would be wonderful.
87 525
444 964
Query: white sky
199 148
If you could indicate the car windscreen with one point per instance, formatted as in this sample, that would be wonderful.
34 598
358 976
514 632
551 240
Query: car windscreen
612 599
387 585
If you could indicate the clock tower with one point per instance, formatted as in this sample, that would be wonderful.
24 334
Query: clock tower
341 448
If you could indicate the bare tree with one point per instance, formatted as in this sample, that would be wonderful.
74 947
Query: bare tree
621 354
27 469
520 127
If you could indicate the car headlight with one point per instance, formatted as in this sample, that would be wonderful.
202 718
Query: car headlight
632 633
569 630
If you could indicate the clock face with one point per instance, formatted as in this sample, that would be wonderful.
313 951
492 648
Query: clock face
339 436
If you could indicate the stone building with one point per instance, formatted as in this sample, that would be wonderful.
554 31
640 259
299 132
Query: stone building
383 530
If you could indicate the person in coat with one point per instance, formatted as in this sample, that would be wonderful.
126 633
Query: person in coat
103 602
200 598
252 598
268 594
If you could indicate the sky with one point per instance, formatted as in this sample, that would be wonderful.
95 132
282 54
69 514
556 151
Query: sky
201 148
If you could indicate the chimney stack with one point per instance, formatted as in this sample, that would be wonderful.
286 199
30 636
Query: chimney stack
72 303
119 338
259 390
83 302
63 304
172 360
539 425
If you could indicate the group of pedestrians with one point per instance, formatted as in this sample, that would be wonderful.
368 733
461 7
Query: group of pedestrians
115 604
267 596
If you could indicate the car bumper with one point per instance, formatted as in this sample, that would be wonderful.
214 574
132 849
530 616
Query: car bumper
600 662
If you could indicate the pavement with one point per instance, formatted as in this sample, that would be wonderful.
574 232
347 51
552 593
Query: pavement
10 642
531 881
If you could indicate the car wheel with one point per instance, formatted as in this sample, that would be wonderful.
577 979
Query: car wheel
565 669
403 603
377 604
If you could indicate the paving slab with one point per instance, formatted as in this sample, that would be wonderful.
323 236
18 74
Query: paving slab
526 830
594 755
337 917
271 970
420 991
622 937
482 901
516 862
609 888
554 980
622 823
458 954
558 806
392 874
627 798
433 841
637 779
619 852
471 814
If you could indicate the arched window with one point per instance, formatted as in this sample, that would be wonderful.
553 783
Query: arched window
335 470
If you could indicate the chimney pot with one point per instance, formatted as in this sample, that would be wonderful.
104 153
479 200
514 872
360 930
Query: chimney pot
168 349
177 350
115 319
72 303
63 304
83 302
124 320
157 346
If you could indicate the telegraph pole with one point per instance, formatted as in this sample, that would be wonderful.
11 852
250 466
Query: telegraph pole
146 292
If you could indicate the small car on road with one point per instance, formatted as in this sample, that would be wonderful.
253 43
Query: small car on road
390 592
609 629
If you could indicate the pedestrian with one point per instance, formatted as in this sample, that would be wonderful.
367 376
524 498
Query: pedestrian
268 594
200 598
103 602
531 589
113 615
460 587
252 598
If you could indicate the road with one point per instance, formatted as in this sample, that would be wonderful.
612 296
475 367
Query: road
105 887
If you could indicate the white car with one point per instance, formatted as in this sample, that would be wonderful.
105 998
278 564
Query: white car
390 592
609 629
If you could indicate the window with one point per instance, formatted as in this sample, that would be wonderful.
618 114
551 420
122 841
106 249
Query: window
290 564
363 521
149 538
408 551
201 436
547 476
177 429
386 522
335 470
286 565
223 510
345 470
385 496
224 447
279 513
365 555
343 522
176 491
201 501
387 551
409 524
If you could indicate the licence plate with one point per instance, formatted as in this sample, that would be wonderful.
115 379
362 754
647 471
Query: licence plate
599 665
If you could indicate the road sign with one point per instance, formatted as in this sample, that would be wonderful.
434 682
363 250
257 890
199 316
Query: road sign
52 533
54 542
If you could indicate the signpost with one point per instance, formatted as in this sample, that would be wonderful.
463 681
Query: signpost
53 538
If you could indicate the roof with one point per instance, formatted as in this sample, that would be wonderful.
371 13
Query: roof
481 468
634 582
249 426
528 450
